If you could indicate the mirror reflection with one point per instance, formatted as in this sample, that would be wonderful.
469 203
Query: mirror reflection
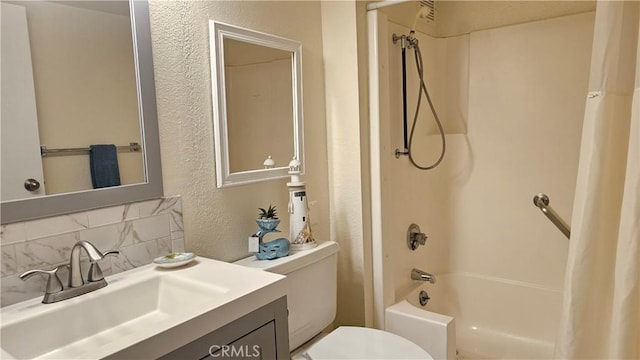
259 98
68 82
257 104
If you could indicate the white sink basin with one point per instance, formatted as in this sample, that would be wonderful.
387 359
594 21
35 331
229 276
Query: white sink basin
137 307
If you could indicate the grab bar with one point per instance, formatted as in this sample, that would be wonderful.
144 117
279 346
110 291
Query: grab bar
542 202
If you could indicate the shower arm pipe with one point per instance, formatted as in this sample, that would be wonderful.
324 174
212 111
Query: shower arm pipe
385 3
542 202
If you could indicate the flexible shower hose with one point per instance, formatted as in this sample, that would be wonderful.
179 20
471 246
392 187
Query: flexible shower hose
423 87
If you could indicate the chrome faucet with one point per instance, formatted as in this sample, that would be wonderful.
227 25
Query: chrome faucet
75 275
422 276
76 286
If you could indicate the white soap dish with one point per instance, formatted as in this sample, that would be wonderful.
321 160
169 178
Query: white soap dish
174 259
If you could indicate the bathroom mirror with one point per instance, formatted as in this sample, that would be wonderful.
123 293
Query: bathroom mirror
257 104
146 181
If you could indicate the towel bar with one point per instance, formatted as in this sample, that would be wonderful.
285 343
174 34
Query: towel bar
133 147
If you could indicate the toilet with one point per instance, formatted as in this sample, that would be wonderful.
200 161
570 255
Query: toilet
312 301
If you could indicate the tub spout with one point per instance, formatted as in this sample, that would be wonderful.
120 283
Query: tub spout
422 276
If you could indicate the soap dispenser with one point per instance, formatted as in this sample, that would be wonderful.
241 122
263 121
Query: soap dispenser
299 227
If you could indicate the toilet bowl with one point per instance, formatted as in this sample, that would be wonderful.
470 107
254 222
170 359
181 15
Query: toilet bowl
312 303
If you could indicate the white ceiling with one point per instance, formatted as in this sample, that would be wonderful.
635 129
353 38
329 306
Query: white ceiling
117 7
462 17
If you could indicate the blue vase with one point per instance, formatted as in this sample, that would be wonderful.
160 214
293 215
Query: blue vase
268 225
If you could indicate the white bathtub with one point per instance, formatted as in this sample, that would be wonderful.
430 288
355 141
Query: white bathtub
494 318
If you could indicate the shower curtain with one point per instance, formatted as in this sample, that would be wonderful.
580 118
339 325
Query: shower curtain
601 306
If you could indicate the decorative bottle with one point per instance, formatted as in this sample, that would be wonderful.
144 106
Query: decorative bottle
299 228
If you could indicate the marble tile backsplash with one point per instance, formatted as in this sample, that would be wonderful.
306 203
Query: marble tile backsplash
141 231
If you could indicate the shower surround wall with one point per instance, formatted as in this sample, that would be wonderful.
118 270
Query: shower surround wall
511 100
141 231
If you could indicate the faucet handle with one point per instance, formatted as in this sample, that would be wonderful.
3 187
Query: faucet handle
415 238
54 284
421 238
95 273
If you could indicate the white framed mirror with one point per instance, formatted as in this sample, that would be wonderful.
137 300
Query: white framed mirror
257 104
109 99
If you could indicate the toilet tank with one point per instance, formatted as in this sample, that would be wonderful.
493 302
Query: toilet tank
311 288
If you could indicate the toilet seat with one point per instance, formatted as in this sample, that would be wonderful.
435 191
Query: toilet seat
350 342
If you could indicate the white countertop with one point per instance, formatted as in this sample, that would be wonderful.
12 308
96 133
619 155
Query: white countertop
222 292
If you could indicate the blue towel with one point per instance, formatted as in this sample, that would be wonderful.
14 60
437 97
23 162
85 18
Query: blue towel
104 166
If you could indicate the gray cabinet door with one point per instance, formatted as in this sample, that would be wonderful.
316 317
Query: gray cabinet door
261 334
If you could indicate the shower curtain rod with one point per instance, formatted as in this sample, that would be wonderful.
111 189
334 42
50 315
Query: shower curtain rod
385 3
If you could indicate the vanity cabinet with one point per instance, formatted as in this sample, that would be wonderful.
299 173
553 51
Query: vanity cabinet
261 334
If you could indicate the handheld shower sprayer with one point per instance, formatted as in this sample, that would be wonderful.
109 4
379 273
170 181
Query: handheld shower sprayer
427 10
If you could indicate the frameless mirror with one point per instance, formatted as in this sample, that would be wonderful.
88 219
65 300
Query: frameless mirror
75 74
257 97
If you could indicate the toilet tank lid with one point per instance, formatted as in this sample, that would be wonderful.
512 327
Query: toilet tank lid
294 261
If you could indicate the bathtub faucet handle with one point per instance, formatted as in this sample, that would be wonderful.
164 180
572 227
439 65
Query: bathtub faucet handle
421 238
417 274
415 237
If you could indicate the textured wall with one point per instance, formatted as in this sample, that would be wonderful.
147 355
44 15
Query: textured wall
218 221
